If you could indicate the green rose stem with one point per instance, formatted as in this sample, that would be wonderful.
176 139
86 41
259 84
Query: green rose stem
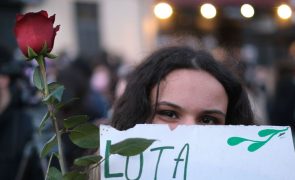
51 109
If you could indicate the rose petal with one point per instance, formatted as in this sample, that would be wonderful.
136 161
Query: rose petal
53 37
19 17
43 13
52 18
56 28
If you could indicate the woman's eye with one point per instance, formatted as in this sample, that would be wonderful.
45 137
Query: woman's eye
167 113
209 120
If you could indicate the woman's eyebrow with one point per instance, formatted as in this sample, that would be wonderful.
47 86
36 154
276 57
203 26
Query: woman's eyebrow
213 111
166 103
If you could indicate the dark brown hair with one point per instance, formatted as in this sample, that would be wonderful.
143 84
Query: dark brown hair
134 106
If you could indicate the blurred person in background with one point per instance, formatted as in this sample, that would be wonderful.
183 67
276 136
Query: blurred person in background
105 80
123 72
104 76
16 127
100 94
243 62
76 78
254 77
282 104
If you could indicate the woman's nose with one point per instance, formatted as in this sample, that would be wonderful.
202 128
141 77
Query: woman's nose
188 120
183 121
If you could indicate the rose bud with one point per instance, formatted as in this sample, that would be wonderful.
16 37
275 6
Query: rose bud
35 31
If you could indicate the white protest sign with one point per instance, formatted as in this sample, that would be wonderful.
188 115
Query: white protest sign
202 152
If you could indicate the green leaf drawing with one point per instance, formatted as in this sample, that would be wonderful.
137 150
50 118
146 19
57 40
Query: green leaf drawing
73 121
266 132
256 144
85 136
54 174
48 146
131 146
235 141
37 78
87 160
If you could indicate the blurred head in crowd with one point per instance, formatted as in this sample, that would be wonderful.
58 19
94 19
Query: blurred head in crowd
10 71
8 66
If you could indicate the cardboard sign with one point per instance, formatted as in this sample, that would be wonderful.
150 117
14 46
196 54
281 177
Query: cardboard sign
202 152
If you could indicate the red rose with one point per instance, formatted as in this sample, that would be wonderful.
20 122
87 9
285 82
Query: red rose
33 30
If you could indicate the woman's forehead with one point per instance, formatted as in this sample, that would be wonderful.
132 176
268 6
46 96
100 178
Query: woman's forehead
186 85
190 78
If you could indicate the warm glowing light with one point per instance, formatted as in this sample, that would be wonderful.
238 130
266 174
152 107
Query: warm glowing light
163 10
284 11
208 11
247 10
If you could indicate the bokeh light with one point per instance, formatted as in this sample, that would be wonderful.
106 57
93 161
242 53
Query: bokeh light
163 10
247 10
284 11
208 11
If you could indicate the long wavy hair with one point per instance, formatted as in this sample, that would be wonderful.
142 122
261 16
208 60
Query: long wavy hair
134 106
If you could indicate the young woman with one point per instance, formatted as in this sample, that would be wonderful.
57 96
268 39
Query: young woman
178 85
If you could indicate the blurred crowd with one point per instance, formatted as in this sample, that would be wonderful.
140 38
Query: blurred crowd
91 84
97 82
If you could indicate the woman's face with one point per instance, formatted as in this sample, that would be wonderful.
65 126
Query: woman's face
189 97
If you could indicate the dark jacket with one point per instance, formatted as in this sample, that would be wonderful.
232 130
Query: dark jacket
16 130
